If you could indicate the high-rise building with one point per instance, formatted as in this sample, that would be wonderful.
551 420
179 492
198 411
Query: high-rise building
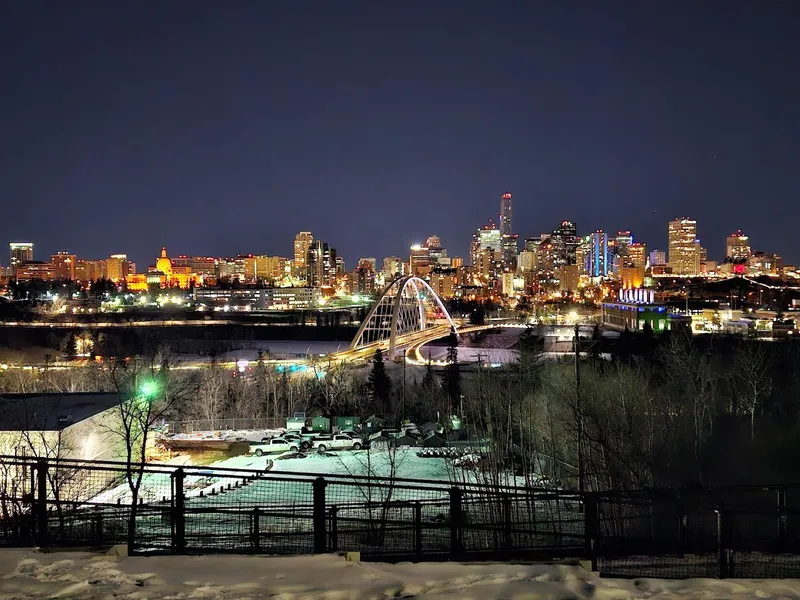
684 248
117 267
658 257
565 243
506 220
392 267
21 252
737 247
63 265
637 254
509 240
204 266
321 264
419 260
532 244
594 252
302 243
90 270
365 276
527 261
456 262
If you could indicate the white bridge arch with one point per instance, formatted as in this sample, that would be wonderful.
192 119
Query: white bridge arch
408 305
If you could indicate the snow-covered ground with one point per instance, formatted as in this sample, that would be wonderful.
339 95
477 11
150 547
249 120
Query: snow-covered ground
26 575
157 486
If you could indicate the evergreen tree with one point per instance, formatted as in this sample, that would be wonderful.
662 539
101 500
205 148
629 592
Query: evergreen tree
71 346
380 385
452 372
429 381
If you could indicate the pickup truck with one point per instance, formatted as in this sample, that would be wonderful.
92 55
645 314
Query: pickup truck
274 446
340 441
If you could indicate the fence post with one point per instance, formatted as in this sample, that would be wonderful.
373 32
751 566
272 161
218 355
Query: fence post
591 527
334 529
507 522
418 529
98 527
722 545
41 504
320 541
781 517
178 512
456 522
256 531
683 523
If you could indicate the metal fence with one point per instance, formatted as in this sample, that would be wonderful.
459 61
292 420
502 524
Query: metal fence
731 532
195 425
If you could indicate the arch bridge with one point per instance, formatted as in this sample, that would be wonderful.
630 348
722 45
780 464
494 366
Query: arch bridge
407 311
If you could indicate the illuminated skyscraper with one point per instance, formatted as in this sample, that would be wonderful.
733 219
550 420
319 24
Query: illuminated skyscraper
302 243
419 260
21 252
594 253
321 264
737 247
684 248
637 254
117 267
392 267
565 243
509 240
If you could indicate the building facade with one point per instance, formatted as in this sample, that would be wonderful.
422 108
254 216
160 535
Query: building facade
684 247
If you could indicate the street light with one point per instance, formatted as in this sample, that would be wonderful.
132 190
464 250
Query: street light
149 389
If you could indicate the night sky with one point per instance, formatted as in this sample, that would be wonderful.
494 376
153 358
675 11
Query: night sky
225 127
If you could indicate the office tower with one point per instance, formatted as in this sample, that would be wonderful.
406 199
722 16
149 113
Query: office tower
658 257
21 252
456 262
436 254
117 267
565 243
527 261
302 243
63 265
531 244
419 260
594 253
365 276
684 248
737 247
339 266
322 264
392 267
637 254
90 270
509 240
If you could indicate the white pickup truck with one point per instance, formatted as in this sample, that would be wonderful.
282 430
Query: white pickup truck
274 446
339 441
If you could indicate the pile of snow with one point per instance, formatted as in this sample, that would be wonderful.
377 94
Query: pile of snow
82 576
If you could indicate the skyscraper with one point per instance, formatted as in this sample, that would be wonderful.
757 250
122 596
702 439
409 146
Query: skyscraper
419 260
509 240
684 247
302 243
637 254
21 252
392 267
594 252
321 264
737 247
63 265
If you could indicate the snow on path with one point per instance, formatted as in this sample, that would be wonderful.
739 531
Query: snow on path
28 575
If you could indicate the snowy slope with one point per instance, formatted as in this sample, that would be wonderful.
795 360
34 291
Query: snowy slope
79 576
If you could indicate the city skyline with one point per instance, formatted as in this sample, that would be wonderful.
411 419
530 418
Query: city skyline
629 116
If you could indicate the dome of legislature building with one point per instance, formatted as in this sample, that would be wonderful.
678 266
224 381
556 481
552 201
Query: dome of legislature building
163 275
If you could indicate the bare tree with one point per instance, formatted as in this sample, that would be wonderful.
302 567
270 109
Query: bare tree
752 378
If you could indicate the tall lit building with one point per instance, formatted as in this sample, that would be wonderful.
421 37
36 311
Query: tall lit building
565 243
302 244
737 247
87 271
637 255
364 278
392 267
436 254
527 261
531 244
21 252
509 240
117 267
594 253
419 260
63 265
684 248
658 257
321 265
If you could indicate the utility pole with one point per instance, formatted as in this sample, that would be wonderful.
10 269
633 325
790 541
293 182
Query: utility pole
579 408
403 408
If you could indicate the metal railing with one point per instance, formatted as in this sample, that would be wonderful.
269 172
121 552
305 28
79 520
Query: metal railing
725 532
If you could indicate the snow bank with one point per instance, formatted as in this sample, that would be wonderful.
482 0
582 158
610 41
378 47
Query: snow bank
83 576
